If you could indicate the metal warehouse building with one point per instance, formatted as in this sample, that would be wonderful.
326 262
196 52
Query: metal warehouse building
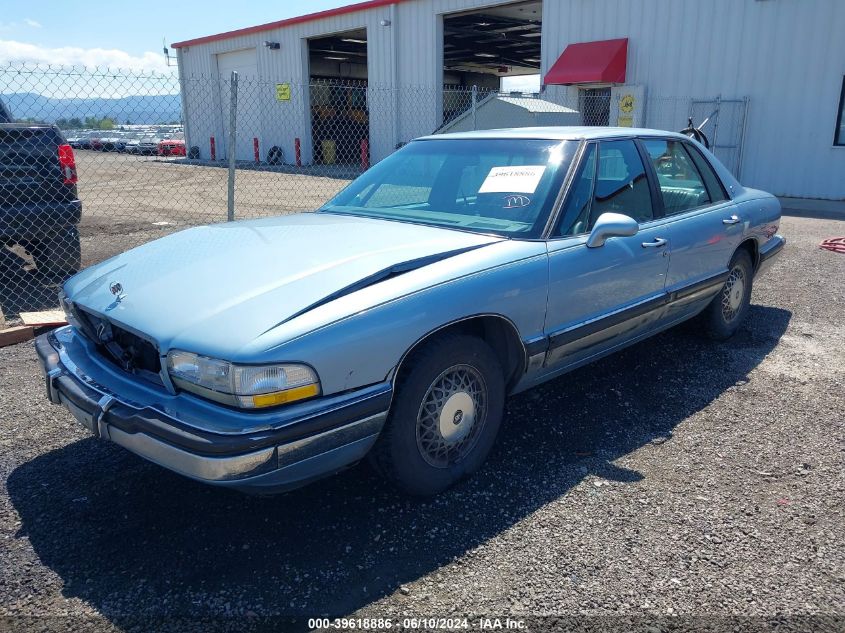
352 84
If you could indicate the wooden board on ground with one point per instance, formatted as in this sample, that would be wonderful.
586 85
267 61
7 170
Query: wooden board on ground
44 318
13 335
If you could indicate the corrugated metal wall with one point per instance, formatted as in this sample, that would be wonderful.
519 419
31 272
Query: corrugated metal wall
283 121
395 116
788 56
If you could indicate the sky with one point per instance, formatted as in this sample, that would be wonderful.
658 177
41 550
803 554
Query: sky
128 35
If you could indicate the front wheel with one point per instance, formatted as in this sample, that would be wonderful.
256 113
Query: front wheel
728 309
445 416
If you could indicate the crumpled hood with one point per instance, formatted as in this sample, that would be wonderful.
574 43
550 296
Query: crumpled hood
226 284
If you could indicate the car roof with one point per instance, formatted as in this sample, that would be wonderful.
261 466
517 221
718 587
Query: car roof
563 133
577 133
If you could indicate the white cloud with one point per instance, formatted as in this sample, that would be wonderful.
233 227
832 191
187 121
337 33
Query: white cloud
12 51
12 26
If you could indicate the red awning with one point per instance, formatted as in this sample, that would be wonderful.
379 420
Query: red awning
590 63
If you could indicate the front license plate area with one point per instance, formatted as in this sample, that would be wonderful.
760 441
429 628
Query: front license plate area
85 419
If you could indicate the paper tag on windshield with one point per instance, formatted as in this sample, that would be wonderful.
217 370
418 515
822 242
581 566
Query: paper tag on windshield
521 179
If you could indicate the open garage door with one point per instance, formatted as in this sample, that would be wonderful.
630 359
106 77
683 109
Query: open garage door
249 104
340 118
484 46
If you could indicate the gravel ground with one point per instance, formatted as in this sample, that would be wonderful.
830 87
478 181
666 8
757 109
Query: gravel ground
679 477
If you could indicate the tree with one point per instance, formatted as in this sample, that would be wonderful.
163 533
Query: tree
107 124
69 124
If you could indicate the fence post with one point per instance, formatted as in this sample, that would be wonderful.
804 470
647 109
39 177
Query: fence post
233 119
365 154
474 95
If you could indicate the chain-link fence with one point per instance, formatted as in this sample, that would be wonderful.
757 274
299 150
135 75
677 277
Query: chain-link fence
130 157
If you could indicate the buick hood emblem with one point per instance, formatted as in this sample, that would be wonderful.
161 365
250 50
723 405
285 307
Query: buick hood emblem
117 290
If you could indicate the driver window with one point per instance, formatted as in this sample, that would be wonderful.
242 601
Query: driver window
576 214
622 185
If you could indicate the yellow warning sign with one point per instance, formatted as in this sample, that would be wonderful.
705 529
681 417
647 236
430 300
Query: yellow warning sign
282 92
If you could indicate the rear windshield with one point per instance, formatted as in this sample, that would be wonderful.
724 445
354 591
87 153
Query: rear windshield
500 186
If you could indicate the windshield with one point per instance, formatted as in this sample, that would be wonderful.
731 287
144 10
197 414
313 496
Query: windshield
500 186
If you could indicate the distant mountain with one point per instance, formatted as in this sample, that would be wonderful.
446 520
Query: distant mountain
135 109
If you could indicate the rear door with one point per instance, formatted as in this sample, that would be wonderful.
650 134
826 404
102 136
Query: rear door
602 297
699 219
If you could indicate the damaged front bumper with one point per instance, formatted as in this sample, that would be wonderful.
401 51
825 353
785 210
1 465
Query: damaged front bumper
254 452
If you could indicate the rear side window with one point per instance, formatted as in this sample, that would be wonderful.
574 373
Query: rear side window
714 184
681 184
621 185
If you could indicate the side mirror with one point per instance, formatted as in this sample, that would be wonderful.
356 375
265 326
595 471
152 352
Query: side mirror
611 225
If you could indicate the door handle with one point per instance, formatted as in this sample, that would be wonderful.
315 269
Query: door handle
734 219
657 243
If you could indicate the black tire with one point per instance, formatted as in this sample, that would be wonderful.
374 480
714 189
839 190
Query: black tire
275 156
58 255
728 309
411 452
194 153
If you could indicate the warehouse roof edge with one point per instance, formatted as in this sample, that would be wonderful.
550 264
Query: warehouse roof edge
351 8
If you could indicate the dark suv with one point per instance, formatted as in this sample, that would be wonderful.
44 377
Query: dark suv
39 205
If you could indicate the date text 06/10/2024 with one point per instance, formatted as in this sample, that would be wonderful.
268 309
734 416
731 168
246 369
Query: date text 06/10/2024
420 623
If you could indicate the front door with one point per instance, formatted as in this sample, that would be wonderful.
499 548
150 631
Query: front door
600 298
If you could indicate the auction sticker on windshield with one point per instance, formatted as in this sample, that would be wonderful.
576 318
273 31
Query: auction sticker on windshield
513 179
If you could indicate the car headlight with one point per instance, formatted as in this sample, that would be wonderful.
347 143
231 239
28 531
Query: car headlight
245 386
69 310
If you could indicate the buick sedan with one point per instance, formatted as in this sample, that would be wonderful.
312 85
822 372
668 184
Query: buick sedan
393 322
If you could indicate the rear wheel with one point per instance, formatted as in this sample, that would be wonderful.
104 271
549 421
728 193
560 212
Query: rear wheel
728 309
445 416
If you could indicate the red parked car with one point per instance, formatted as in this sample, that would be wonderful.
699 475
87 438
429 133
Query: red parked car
174 146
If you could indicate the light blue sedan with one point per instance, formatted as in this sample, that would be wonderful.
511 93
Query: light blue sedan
394 321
